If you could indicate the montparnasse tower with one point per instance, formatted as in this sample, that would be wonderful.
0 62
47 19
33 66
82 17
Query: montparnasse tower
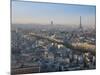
52 22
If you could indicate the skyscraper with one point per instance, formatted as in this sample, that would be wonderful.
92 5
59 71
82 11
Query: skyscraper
51 22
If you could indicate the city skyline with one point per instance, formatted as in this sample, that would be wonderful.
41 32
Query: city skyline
50 37
43 13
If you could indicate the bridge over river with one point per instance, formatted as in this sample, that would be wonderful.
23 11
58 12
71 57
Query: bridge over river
81 47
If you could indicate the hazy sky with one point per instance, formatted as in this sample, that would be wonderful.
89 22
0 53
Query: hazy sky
43 13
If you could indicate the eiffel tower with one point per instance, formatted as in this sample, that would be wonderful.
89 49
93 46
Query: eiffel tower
80 26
